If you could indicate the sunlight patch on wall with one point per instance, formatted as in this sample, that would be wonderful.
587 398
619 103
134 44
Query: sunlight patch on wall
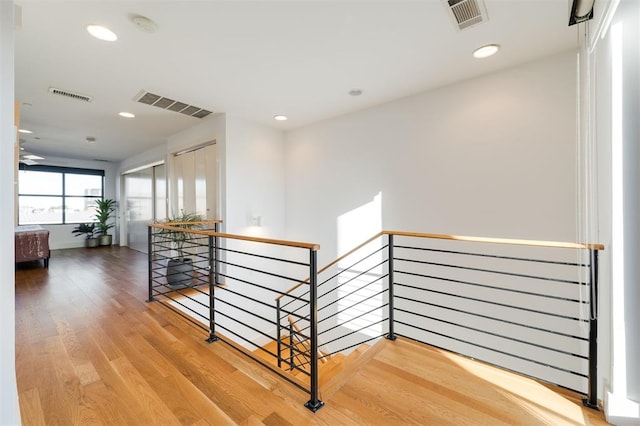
360 303
359 224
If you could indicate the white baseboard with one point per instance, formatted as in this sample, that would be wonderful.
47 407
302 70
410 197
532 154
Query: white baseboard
621 411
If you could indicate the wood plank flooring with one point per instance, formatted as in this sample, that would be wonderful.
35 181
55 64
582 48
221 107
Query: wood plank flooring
91 351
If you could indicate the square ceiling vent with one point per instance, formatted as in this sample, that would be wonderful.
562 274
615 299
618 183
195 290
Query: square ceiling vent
466 13
152 99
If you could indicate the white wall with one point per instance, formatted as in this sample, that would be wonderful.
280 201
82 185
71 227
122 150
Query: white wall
251 176
154 155
60 236
211 128
629 15
9 410
251 171
492 156
255 179
617 131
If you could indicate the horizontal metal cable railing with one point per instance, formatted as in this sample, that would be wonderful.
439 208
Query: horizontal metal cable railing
524 308
527 306
228 288
352 301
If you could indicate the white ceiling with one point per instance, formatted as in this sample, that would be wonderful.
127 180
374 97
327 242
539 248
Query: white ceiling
252 59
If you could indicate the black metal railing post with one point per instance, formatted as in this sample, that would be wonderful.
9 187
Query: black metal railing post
150 261
212 320
291 355
591 400
278 334
314 403
392 334
216 256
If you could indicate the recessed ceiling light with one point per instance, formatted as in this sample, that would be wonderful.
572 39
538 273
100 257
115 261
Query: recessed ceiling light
280 117
126 114
486 51
25 131
102 33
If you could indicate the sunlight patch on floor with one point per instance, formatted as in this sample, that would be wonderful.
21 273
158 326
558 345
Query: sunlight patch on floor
540 401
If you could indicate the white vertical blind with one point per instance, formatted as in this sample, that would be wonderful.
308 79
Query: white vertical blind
196 181
138 188
145 201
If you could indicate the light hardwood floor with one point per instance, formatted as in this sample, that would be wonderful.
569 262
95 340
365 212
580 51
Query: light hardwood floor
90 350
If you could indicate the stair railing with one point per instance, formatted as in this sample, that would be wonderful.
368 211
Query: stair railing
230 290
528 306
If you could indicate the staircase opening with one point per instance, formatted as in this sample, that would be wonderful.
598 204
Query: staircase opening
526 306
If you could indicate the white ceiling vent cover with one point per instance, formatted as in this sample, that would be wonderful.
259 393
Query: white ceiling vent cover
466 13
69 94
145 97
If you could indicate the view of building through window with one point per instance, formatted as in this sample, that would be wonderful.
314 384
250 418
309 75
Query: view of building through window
58 195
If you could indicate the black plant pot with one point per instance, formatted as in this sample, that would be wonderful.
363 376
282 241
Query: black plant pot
180 273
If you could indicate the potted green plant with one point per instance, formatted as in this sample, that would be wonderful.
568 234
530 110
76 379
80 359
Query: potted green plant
88 230
104 209
180 269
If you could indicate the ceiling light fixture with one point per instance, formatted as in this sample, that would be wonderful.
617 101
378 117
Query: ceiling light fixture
126 114
91 139
280 117
102 33
355 92
25 131
486 51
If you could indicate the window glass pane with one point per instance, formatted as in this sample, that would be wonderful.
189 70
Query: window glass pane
42 183
41 201
80 209
39 210
82 185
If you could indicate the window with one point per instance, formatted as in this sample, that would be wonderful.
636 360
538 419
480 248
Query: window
58 195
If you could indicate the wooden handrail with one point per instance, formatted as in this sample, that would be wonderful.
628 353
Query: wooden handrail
509 241
296 327
358 247
297 244
305 344
191 223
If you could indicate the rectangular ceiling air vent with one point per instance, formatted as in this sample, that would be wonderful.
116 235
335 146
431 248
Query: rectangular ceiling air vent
171 105
69 94
466 13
